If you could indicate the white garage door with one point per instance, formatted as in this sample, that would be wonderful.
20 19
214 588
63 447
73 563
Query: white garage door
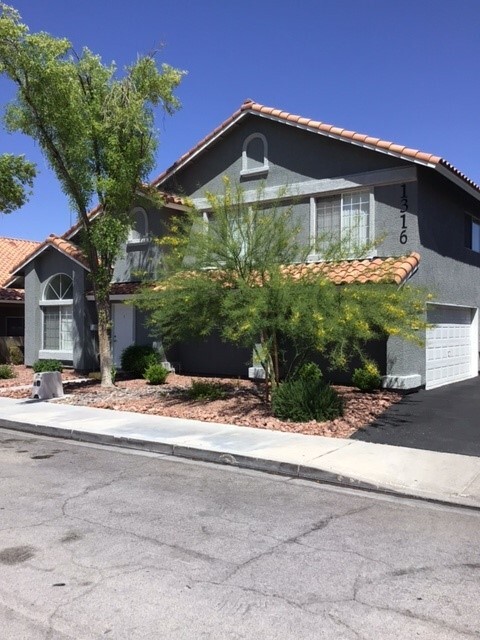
450 345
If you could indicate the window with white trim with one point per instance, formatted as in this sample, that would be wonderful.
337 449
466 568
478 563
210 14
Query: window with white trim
346 218
57 307
139 230
254 155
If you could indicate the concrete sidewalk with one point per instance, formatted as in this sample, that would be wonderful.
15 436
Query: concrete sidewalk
444 477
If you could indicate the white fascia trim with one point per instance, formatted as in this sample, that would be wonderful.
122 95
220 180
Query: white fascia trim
327 186
457 181
336 136
432 165
49 246
202 148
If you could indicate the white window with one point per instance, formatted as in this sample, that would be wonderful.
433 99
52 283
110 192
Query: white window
139 229
57 307
254 155
345 220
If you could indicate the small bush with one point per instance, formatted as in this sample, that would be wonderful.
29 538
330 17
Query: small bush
156 373
47 365
15 355
367 378
137 358
206 390
306 397
6 372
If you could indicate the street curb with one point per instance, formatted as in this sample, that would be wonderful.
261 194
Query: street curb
274 467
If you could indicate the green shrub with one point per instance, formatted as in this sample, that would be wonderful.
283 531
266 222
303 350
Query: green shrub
206 390
137 358
47 365
6 371
367 378
15 355
306 397
156 373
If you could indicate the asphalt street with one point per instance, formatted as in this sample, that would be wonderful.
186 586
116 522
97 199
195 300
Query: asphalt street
101 543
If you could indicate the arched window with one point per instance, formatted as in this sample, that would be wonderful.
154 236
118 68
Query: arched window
254 155
139 230
57 307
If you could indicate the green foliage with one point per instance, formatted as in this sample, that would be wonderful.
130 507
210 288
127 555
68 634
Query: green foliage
96 129
206 390
16 181
367 378
15 354
306 397
137 358
40 366
6 372
228 274
156 373
113 373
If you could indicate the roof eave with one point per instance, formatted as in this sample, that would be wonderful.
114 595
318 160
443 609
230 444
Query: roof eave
18 269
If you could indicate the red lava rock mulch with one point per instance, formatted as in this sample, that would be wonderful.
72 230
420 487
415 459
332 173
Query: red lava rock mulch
242 404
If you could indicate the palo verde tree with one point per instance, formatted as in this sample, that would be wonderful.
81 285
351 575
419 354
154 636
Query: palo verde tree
237 271
97 132
16 181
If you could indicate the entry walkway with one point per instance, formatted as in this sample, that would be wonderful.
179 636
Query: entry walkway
438 476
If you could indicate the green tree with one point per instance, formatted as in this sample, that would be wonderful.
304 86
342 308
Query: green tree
97 132
229 273
16 181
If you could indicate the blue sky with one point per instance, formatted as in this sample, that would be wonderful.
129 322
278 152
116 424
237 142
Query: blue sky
405 71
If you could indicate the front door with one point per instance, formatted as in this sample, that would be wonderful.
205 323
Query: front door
122 330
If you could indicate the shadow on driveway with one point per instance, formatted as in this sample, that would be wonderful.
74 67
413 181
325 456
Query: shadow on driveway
445 419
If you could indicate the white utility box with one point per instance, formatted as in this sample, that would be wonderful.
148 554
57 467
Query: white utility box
46 385
256 373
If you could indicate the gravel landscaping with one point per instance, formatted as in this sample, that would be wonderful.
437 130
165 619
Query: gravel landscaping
242 404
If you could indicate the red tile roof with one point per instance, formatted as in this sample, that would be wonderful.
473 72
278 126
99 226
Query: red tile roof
12 251
391 270
386 270
11 295
384 146
64 246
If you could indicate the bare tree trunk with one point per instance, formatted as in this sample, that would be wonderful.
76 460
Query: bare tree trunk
104 343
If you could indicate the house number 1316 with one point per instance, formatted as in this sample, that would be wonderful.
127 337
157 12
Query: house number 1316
403 214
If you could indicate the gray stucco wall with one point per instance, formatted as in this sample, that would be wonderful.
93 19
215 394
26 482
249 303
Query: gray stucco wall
38 272
294 155
139 258
436 230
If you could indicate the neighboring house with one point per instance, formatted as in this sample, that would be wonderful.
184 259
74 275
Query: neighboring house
343 182
11 294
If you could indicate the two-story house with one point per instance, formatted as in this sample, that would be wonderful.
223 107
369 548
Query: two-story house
426 211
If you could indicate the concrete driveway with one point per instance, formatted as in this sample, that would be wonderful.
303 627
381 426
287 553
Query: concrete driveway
444 419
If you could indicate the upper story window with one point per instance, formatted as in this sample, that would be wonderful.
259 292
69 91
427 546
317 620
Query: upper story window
345 219
254 155
139 229
57 304
472 233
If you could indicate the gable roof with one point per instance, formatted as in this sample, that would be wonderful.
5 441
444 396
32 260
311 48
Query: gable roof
60 244
170 199
328 130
